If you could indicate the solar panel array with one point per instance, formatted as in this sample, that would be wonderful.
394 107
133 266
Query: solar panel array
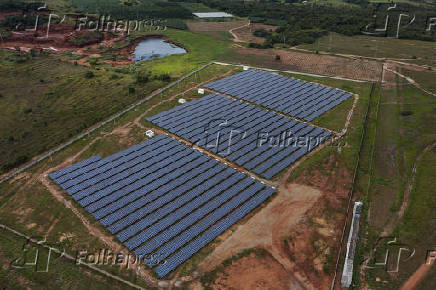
162 199
300 99
258 140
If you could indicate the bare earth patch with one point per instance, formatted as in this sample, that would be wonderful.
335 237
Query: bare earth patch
253 272
245 33
268 227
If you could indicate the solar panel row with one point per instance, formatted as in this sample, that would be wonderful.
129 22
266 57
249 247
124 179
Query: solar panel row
158 195
290 96
190 249
253 138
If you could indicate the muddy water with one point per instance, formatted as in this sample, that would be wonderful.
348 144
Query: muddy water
155 48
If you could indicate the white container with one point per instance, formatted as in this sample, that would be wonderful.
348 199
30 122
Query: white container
149 133
201 91
245 68
182 101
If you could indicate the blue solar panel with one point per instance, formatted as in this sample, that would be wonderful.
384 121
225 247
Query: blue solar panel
274 91
212 233
158 190
236 133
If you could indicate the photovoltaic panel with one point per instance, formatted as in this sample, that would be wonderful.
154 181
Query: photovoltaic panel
293 97
256 139
160 191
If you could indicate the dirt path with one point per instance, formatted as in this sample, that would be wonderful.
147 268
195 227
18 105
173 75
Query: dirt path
411 81
414 280
418 276
235 36
267 228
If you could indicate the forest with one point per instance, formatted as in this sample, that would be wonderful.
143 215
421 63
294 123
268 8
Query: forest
305 23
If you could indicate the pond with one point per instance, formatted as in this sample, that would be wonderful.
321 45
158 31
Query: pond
155 48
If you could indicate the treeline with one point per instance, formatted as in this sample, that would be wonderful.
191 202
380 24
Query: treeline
13 5
135 10
305 23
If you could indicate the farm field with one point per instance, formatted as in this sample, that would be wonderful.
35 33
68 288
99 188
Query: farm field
366 70
376 47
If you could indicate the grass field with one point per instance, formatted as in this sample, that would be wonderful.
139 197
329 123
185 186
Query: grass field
45 101
405 127
37 90
378 47
424 78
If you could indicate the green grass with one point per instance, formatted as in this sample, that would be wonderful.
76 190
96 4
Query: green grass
45 101
335 120
61 272
426 79
400 138
375 47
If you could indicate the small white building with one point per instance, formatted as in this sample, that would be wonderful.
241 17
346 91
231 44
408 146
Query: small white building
149 133
182 101
212 14
201 91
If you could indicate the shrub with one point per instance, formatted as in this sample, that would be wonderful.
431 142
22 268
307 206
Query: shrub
89 75
277 57
142 78
87 38
406 113
163 77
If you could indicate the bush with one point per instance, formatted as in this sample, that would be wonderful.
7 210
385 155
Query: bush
142 78
18 161
87 38
89 74
277 57
163 77
406 113
132 90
